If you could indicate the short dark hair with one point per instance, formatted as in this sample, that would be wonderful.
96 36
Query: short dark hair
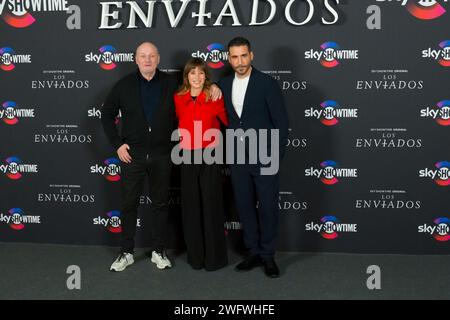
239 41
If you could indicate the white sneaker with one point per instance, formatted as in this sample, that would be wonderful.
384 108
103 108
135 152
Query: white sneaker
161 260
122 262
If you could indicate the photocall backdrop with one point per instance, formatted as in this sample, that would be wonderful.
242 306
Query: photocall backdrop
366 85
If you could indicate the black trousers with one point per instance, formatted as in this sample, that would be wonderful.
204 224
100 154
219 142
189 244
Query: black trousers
259 225
203 215
158 171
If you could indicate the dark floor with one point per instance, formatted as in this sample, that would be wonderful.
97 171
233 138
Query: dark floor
36 271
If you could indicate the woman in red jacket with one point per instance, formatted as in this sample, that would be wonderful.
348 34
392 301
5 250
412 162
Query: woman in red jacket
201 182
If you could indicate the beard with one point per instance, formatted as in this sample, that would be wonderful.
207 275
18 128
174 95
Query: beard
241 69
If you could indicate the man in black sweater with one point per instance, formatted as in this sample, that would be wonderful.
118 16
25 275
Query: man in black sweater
145 100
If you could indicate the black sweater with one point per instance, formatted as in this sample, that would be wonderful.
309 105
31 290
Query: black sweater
135 132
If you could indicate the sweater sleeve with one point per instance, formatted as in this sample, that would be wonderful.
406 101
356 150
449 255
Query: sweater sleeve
110 111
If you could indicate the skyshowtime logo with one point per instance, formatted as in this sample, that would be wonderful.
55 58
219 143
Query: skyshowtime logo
421 9
16 13
108 58
330 228
442 55
440 230
329 172
440 113
110 169
440 175
17 219
215 57
9 59
10 113
331 54
425 9
330 112
14 169
112 222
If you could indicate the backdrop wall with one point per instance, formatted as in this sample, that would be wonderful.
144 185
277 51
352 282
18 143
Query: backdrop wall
366 85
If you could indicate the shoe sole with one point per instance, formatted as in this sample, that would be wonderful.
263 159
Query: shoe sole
273 276
160 266
250 269
121 269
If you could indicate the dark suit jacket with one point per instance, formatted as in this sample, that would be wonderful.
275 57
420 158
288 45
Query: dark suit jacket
125 96
263 108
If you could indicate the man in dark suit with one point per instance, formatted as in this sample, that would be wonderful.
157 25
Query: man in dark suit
254 102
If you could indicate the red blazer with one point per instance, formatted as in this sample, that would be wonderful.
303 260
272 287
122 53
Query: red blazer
209 113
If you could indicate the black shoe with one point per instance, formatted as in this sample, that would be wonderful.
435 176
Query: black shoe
271 268
197 267
249 263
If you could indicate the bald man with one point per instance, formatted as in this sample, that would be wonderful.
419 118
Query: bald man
145 100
